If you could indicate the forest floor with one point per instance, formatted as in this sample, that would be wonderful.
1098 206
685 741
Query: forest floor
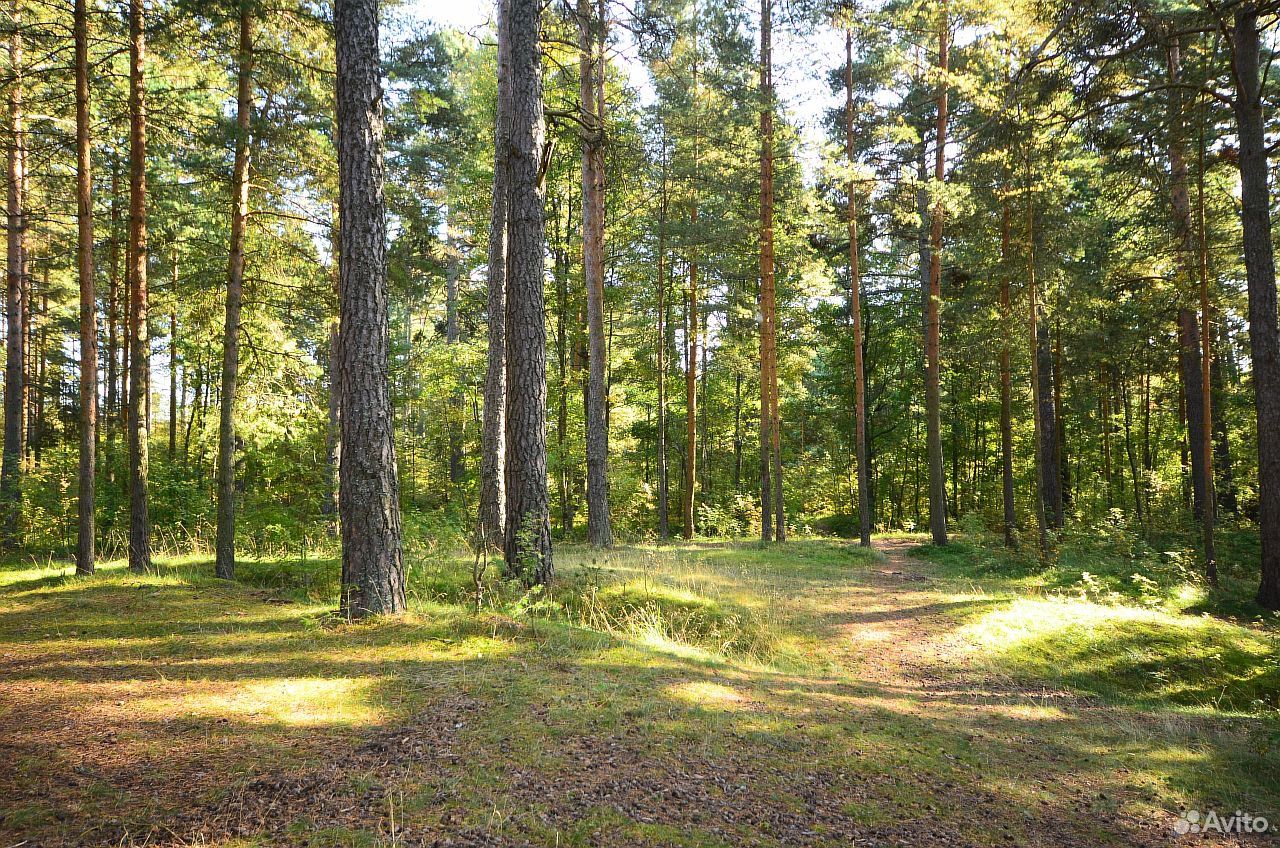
709 694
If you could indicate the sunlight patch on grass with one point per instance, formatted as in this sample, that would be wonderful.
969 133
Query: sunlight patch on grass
294 701
708 695
1131 652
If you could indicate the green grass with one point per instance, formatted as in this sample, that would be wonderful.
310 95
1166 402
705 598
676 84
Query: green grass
703 694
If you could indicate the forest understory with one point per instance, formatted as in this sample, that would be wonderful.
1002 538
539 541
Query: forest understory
698 694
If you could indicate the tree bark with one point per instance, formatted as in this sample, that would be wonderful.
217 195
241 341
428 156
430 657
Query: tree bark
113 318
85 553
139 359
770 424
1006 380
855 313
1260 271
664 521
528 527
225 564
933 303
15 354
591 43
492 517
369 496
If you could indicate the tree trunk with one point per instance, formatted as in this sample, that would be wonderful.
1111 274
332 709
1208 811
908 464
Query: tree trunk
225 565
1037 407
528 527
15 355
933 303
1006 380
88 301
113 317
333 431
664 520
591 42
493 450
1189 365
770 485
139 359
369 496
1260 271
855 313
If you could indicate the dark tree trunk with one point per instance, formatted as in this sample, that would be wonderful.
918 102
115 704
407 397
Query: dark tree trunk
113 318
591 35
528 527
855 314
493 449
225 565
1225 479
139 359
1189 364
1006 381
15 355
1050 471
1260 271
932 309
452 336
664 520
88 301
369 496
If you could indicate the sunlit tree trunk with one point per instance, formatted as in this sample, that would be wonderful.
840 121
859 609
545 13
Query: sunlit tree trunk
140 341
88 301
770 441
591 43
369 496
1260 271
225 565
528 529
493 450
15 355
855 312
664 522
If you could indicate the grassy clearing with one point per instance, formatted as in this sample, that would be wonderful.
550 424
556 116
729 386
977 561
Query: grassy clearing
706 694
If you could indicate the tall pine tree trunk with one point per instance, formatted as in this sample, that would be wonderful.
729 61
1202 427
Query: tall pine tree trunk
1006 379
933 304
855 313
1260 271
591 42
528 527
88 300
369 496
664 520
770 424
15 355
225 565
139 359
493 450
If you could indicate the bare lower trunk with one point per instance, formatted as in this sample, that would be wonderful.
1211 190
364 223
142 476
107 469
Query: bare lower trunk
88 301
591 26
369 496
528 527
855 317
772 520
1006 383
664 523
1259 262
16 226
225 565
139 359
933 303
492 517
